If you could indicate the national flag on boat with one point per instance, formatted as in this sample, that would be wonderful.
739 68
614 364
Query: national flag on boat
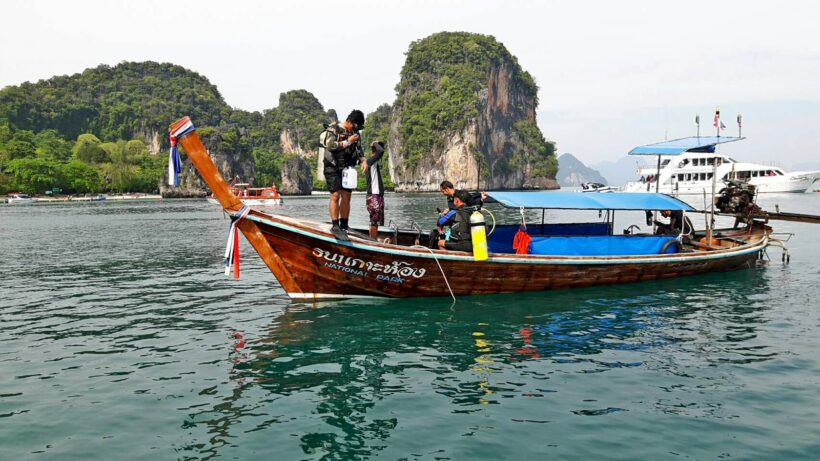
179 129
718 123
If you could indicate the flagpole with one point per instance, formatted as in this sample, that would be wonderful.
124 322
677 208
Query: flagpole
739 125
714 183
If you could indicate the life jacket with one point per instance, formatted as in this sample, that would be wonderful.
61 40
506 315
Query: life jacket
460 230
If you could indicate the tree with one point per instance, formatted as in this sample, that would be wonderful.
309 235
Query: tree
268 165
88 149
34 175
50 144
16 149
80 177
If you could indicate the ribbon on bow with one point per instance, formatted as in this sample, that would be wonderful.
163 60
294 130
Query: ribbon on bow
232 248
178 130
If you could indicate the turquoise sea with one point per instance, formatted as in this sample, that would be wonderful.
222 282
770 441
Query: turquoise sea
120 338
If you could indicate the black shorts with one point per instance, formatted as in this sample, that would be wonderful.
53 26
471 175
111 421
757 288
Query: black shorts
333 178
464 245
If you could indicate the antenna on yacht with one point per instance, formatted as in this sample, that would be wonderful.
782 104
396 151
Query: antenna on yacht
697 122
739 125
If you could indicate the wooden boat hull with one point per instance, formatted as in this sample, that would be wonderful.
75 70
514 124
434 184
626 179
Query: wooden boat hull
320 267
311 264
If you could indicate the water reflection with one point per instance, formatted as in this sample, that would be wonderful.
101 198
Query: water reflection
351 371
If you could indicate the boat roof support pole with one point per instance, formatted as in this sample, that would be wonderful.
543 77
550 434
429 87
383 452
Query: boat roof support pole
657 188
657 176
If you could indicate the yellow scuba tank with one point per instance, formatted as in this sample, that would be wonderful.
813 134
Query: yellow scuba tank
478 232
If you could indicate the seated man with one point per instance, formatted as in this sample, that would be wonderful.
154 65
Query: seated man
677 223
459 221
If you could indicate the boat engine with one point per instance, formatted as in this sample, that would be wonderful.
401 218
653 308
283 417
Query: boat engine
737 198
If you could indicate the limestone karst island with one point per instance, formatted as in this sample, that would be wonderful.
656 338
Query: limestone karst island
464 111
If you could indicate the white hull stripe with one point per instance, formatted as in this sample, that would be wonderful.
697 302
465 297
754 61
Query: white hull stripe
330 296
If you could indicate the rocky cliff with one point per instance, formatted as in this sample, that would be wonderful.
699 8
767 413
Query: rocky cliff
572 172
465 111
229 151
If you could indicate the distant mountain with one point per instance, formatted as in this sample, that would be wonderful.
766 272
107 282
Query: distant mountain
572 172
619 172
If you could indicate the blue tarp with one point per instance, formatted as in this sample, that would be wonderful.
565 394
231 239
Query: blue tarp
500 241
679 146
610 245
589 200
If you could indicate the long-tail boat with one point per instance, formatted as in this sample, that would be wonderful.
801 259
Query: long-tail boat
311 264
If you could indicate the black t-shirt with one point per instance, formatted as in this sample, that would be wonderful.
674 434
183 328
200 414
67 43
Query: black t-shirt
474 201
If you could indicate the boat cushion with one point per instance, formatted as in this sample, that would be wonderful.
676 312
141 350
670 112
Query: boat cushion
609 245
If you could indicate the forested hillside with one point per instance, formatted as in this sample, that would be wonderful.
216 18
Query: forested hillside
97 130
106 130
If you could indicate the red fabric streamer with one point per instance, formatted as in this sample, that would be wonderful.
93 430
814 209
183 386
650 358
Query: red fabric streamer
236 252
521 241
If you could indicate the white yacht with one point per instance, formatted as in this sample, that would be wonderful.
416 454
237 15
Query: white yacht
18 199
695 161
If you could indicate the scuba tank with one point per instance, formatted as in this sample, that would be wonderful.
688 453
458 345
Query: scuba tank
478 232
349 178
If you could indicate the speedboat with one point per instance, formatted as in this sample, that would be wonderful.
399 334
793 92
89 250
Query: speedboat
18 198
253 196
596 187
687 166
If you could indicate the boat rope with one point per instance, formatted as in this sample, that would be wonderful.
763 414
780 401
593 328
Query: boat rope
492 229
178 130
439 268
232 247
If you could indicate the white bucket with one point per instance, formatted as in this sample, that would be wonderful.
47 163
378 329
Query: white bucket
349 178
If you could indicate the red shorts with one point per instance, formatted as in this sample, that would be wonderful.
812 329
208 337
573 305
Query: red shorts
375 206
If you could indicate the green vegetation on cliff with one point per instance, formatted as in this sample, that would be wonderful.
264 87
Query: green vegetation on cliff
126 101
88 132
91 119
301 115
440 84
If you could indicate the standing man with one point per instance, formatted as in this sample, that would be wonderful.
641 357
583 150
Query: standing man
473 199
342 149
375 188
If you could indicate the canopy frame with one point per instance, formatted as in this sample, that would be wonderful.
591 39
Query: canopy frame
559 200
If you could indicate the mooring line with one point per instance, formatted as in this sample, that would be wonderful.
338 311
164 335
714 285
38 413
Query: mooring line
439 268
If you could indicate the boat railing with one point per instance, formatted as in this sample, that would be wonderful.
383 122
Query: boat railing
414 225
395 227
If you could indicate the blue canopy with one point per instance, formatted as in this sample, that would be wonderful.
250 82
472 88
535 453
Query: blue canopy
589 200
678 146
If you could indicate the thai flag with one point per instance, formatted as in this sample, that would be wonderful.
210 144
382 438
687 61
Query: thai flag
718 123
174 167
181 128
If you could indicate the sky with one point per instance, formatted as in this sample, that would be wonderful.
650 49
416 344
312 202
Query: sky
612 75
